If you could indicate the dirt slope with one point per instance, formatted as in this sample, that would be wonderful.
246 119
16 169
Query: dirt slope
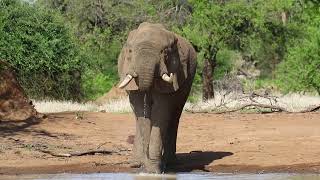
114 93
234 142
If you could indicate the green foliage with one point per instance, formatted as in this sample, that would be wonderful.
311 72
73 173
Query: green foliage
101 57
300 70
39 45
214 26
68 49
95 84
225 63
101 32
262 30
269 45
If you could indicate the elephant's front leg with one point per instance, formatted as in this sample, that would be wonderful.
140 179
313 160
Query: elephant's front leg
159 119
153 164
141 141
141 104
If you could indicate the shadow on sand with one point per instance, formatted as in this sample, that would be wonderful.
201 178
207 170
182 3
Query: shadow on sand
11 128
196 160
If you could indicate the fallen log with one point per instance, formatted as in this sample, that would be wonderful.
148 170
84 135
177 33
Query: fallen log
91 152
273 108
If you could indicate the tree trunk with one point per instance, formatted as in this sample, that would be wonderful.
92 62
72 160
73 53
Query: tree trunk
207 78
284 18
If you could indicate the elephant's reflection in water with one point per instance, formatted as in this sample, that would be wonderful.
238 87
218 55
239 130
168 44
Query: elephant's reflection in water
155 177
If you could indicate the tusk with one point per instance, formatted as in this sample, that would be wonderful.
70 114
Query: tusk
125 81
166 78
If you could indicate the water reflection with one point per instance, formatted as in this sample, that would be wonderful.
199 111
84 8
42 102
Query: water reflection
155 177
179 176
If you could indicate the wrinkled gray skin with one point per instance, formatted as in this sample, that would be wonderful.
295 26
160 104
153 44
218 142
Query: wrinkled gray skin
150 52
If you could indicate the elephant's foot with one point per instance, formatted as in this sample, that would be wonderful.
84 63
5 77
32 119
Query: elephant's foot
135 164
152 166
137 160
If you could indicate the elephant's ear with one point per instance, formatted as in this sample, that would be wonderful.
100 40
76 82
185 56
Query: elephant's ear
123 62
174 59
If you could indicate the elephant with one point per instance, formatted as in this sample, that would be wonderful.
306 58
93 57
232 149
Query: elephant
156 68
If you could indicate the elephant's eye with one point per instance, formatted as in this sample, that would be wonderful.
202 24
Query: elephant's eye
130 50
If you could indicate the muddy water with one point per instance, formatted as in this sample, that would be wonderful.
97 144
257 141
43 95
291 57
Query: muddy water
187 176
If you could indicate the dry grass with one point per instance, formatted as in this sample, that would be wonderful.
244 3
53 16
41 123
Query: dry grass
296 102
52 106
292 102
119 106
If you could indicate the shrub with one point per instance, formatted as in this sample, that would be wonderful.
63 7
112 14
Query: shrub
99 50
96 84
300 70
225 63
41 47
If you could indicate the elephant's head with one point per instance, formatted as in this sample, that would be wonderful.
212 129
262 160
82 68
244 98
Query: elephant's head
151 59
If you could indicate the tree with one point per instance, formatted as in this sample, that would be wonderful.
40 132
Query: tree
215 25
257 29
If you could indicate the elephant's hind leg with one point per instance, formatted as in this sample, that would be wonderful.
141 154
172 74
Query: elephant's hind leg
176 109
169 154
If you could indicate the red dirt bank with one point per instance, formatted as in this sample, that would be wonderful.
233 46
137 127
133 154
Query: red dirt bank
14 104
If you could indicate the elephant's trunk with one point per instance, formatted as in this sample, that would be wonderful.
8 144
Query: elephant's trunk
145 78
146 70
